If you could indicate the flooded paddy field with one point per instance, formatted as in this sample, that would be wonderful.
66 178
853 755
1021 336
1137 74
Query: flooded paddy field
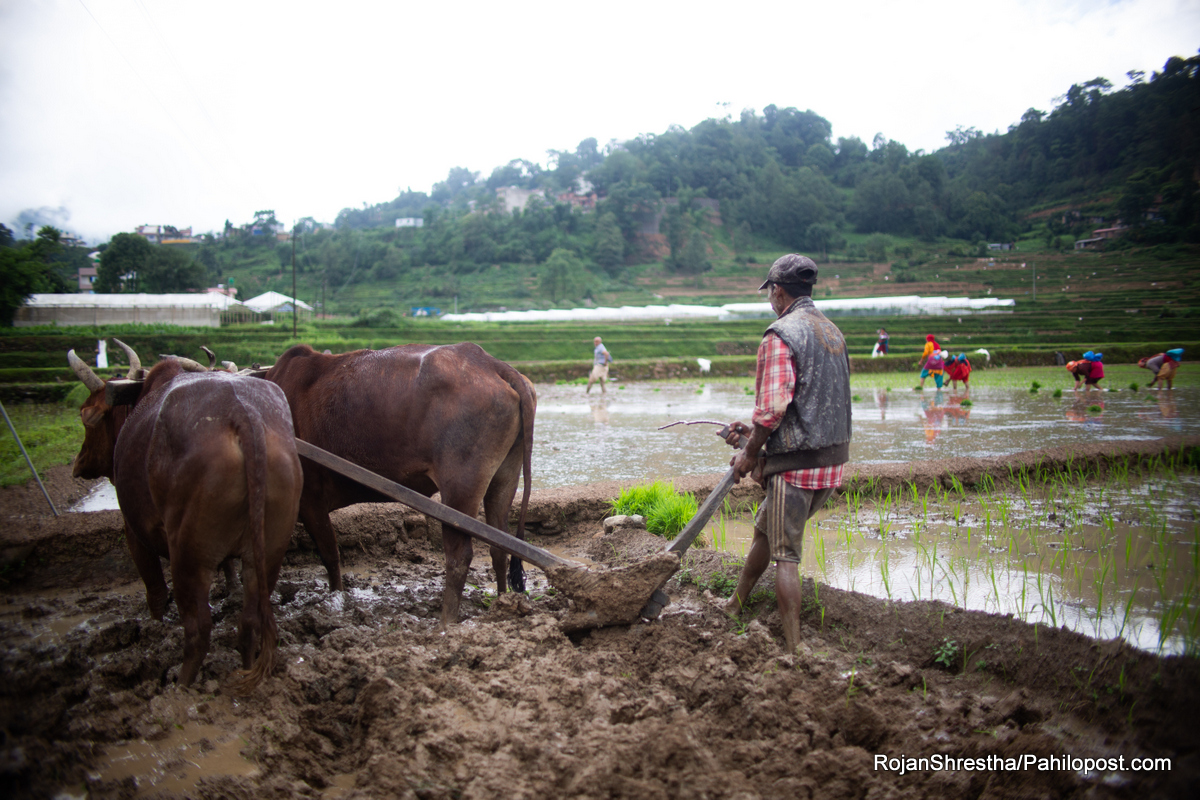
586 437
372 699
1116 555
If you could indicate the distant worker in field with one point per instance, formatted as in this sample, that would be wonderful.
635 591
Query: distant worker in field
1163 366
600 361
1089 369
800 440
931 347
959 369
881 346
935 365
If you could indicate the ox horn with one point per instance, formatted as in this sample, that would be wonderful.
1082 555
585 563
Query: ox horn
187 364
212 357
90 379
135 363
229 365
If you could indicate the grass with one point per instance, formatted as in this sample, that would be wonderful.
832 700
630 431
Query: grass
666 511
52 435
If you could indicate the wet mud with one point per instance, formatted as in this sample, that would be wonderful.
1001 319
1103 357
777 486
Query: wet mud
371 698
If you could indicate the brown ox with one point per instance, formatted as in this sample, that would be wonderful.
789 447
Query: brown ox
206 470
450 419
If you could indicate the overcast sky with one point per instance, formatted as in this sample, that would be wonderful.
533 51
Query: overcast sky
117 113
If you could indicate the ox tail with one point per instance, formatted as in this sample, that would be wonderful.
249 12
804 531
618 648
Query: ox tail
254 435
524 389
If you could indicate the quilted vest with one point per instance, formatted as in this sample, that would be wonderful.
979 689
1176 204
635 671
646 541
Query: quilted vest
815 430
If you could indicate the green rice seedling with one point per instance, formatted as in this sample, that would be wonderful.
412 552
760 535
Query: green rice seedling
1133 387
1033 387
1095 410
883 571
640 499
671 514
857 399
1057 394
967 403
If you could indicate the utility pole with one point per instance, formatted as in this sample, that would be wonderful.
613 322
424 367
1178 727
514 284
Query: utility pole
1034 265
295 303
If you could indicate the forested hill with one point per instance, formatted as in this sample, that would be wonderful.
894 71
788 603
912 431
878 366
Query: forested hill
780 174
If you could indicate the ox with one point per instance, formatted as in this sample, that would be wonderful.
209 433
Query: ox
206 470
447 419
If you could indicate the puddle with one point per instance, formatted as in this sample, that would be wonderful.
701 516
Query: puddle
102 497
1106 560
175 763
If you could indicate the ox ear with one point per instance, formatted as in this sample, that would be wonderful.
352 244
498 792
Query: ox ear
122 392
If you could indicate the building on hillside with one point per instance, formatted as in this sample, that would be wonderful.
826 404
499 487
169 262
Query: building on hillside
410 222
585 202
87 279
1110 233
1089 244
165 234
515 198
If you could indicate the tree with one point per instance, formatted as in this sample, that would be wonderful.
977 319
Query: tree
694 258
26 270
120 263
169 270
610 244
563 276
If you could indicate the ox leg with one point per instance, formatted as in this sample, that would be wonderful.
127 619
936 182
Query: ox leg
149 567
497 504
458 549
316 522
192 583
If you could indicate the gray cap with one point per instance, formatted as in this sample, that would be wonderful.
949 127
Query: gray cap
792 268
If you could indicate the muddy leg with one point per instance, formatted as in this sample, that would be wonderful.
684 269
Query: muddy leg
191 595
316 522
458 550
497 503
787 595
756 563
149 567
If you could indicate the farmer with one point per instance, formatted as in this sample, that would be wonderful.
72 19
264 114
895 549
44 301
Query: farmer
1096 370
1163 366
935 365
600 361
802 416
1083 368
931 347
881 346
959 369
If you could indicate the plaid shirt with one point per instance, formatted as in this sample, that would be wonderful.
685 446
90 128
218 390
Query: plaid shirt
774 385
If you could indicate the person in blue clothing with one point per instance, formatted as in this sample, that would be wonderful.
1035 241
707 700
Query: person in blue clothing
600 361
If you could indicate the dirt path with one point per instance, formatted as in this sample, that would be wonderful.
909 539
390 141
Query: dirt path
372 699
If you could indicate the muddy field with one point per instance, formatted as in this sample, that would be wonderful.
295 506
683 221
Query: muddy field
372 699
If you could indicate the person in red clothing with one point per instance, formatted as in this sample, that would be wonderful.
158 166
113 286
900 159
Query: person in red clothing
800 441
959 369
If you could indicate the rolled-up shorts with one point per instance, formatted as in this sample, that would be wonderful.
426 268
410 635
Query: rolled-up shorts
783 514
599 372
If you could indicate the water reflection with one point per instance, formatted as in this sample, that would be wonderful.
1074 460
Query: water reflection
580 438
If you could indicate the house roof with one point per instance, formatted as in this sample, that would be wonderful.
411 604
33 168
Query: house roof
272 301
197 300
